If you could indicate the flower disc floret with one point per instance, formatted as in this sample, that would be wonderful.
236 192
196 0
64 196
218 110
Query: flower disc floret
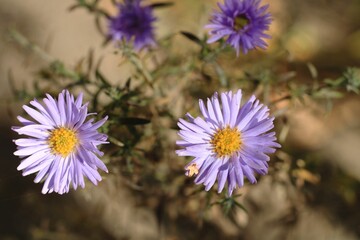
240 22
63 141
226 141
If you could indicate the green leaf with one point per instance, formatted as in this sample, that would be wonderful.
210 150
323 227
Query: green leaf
192 37
161 5
75 6
327 93
101 77
128 83
239 205
334 82
116 141
350 88
352 77
313 70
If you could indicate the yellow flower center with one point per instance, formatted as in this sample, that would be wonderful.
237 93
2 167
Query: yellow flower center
62 141
240 22
226 141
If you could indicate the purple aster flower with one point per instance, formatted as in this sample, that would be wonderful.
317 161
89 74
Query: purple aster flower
230 143
59 144
242 22
133 23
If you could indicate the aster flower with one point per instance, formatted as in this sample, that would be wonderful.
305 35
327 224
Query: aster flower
59 145
242 23
230 143
133 23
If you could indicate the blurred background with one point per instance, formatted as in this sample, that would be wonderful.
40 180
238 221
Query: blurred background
318 199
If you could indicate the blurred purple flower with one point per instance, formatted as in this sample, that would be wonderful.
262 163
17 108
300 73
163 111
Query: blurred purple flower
133 23
229 143
242 22
59 144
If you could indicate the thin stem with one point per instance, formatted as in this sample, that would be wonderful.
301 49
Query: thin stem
25 43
